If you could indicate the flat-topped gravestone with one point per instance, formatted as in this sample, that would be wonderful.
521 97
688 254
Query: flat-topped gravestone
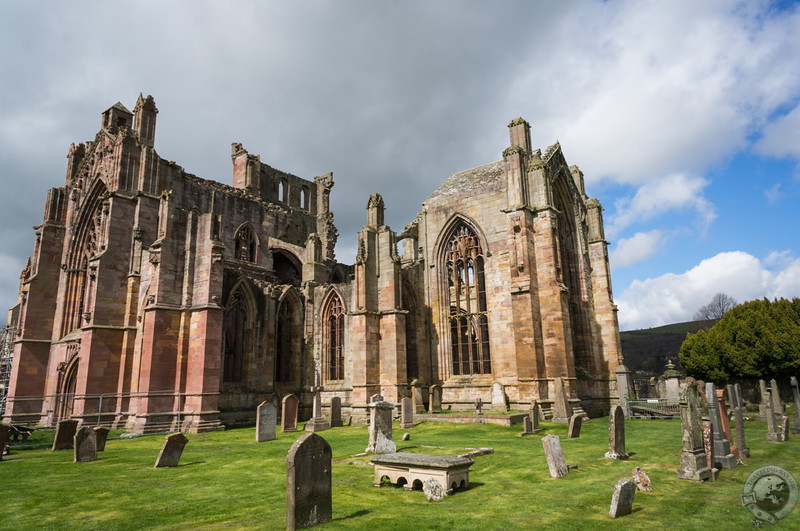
575 423
796 393
616 434
535 415
527 425
406 413
336 412
65 434
435 399
693 457
555 456
5 432
85 445
622 499
308 482
101 435
775 395
266 420
380 429
289 408
417 398
171 451
641 479
562 411
723 457
499 397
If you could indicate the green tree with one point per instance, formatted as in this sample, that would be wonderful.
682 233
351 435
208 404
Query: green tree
759 338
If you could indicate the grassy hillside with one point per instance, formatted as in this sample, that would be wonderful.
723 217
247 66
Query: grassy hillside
647 350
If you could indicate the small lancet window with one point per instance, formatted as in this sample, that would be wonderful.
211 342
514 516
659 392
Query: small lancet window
333 337
245 244
283 190
304 198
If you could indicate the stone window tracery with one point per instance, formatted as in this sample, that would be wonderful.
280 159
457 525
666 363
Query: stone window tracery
333 337
245 244
236 334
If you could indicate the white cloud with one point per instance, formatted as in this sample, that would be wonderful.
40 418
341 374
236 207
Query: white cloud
676 297
782 137
773 193
639 247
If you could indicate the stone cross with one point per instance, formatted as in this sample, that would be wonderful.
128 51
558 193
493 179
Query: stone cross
796 393
616 434
725 420
380 429
65 434
562 411
622 499
336 412
101 435
775 394
693 457
575 423
773 431
289 408
535 415
171 451
723 457
85 445
555 456
5 431
266 419
738 415
406 413
318 422
308 482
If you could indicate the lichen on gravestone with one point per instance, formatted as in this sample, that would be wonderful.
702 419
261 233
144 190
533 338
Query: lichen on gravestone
433 490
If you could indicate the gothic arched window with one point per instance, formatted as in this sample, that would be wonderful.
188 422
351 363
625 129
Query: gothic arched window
466 291
333 336
289 333
245 244
236 336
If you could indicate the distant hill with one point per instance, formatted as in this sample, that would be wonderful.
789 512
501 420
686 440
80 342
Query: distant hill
647 350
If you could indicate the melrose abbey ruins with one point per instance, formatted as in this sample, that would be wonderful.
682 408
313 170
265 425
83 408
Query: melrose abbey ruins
157 299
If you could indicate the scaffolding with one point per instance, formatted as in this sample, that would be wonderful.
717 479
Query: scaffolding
7 335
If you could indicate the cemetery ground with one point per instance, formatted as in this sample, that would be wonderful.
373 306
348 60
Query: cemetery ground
226 479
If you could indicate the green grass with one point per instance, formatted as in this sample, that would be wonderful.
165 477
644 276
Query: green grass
227 480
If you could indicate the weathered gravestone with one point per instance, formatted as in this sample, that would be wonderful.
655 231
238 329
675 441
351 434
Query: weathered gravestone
5 432
171 451
527 425
336 412
406 413
435 405
775 395
744 451
622 499
737 388
535 415
723 457
65 434
764 400
616 434
693 457
376 398
289 408
417 398
380 429
796 393
433 490
85 445
785 428
308 482
499 397
101 436
562 411
641 479
575 423
555 456
725 420
266 419
730 390
708 446
773 430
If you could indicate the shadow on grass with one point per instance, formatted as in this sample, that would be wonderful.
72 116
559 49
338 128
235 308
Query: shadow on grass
192 463
472 485
356 514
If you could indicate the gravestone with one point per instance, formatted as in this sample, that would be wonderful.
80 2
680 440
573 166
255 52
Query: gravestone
535 415
785 428
739 399
376 398
773 430
726 421
723 457
555 456
616 434
641 479
479 406
380 429
289 408
433 490
406 413
435 399
417 398
764 399
796 393
775 394
744 451
624 387
562 411
730 391
65 434
693 457
171 451
308 482
622 499
499 397
266 419
575 423
101 435
708 447
85 445
336 412
527 425
5 431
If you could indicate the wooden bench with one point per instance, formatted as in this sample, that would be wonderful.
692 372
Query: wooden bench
409 470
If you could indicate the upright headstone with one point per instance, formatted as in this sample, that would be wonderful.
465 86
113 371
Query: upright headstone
85 445
764 399
730 391
775 394
380 429
101 435
708 446
289 407
435 399
575 423
171 451
266 419
417 397
725 421
65 435
308 482
785 428
796 393
499 397
5 431
555 456
723 457
406 413
616 434
744 451
336 412
535 415
693 457
479 406
773 430
527 425
622 499
562 411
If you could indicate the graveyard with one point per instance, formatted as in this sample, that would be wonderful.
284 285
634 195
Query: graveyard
227 479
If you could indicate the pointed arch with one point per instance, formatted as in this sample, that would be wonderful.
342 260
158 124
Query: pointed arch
288 337
245 243
333 335
288 268
238 332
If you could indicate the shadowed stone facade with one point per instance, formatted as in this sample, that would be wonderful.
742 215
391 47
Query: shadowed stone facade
187 302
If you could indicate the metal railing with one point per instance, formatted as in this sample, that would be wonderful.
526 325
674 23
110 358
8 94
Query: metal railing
654 408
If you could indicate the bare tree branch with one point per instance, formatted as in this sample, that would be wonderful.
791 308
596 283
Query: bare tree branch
719 305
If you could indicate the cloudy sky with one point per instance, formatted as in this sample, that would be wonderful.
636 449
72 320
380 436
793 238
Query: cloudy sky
684 115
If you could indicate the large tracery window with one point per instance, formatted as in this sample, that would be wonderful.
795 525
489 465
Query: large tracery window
245 244
469 325
333 330
236 335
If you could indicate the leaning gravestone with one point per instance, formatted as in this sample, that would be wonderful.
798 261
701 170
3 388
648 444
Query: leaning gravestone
775 394
744 451
435 405
380 429
171 451
555 456
796 393
723 457
65 434
641 479
5 431
289 408
693 457
266 419
616 434
101 435
575 423
85 445
433 490
308 482
725 420
336 412
406 413
622 499
562 411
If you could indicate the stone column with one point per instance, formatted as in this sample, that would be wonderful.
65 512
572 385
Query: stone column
624 387
764 398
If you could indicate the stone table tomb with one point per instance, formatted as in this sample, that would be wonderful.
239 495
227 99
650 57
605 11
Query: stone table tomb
411 470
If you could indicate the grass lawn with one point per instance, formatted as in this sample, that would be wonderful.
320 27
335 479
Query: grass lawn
227 480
